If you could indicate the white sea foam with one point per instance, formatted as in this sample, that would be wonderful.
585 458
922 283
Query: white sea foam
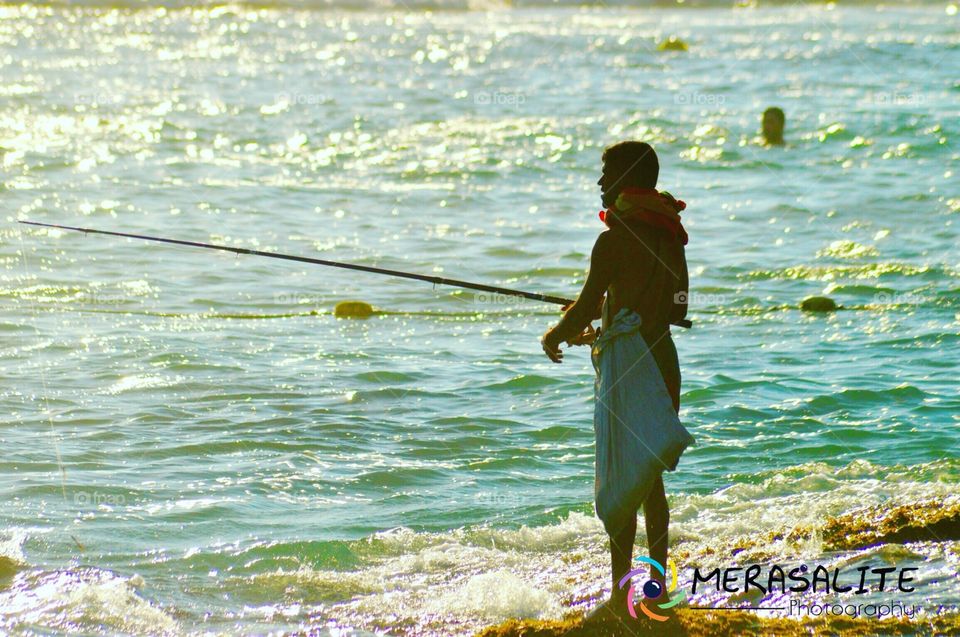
141 381
476 576
90 598
497 595
11 548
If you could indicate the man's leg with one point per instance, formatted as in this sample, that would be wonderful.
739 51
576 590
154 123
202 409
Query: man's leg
621 555
656 515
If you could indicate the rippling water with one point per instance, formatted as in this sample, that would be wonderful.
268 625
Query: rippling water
192 442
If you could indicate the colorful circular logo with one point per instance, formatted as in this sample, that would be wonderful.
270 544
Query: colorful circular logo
651 589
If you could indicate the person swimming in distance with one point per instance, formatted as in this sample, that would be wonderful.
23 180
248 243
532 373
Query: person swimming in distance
772 126
638 278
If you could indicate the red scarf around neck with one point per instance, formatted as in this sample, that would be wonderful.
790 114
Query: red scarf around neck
648 206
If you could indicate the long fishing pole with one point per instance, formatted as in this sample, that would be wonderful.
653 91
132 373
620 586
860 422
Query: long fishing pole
436 280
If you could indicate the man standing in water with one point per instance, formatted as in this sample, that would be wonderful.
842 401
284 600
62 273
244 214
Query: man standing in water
638 272
772 125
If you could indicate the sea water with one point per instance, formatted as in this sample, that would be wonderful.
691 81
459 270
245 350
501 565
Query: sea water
193 443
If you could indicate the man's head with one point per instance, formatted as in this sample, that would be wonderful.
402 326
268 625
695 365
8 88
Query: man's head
627 164
773 123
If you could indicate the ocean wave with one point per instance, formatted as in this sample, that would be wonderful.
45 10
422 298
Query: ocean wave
853 399
529 383
87 600
142 382
865 271
400 477
457 581
12 558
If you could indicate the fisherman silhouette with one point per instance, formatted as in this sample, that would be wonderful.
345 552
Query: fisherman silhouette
638 280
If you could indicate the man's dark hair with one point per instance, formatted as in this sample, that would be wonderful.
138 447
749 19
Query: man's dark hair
775 111
633 164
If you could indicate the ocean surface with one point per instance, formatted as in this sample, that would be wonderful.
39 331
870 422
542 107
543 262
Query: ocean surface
193 443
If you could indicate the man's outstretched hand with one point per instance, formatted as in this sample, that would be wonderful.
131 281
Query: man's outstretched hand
551 343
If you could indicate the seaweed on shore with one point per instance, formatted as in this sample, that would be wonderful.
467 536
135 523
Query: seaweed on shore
717 623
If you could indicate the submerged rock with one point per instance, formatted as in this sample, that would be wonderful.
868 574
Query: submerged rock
353 309
673 43
818 304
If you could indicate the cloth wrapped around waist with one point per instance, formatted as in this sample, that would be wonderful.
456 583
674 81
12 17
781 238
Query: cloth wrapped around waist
638 432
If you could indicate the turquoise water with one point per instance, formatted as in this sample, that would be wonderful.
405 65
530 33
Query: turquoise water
193 443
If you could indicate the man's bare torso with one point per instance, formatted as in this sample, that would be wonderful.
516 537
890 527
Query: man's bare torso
649 275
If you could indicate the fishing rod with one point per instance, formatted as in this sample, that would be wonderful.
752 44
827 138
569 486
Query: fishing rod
436 280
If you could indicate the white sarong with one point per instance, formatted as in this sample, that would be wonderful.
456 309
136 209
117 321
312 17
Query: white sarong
638 432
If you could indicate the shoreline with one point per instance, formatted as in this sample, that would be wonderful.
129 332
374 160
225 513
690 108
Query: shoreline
718 623
934 520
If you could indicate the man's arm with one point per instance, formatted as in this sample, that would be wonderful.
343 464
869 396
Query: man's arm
579 315
682 292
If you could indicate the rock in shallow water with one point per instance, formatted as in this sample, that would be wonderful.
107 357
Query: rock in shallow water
818 304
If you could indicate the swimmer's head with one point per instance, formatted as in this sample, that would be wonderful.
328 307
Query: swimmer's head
627 164
772 126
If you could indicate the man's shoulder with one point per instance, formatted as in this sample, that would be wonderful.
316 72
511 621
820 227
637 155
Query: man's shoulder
624 234
607 240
